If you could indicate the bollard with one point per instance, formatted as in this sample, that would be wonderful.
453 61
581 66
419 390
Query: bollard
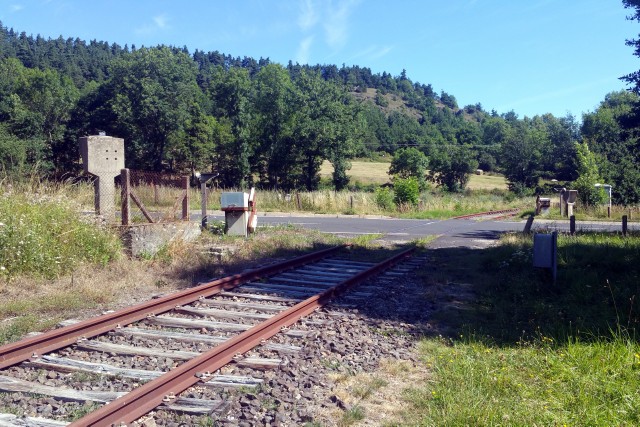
527 226
572 225
608 211
203 190
624 225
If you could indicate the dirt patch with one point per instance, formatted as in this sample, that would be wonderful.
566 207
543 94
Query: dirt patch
378 395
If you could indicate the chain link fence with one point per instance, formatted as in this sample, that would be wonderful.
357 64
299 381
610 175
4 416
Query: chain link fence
152 197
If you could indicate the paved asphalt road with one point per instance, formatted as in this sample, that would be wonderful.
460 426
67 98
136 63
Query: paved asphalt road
454 232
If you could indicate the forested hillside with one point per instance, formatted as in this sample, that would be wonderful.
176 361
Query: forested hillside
261 123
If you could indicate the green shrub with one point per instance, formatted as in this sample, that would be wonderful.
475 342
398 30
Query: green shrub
407 191
384 198
44 236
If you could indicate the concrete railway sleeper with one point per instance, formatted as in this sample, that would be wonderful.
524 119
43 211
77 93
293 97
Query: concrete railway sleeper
141 367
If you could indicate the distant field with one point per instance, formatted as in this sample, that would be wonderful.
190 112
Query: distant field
376 173
487 182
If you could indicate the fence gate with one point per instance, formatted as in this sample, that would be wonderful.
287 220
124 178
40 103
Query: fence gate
159 197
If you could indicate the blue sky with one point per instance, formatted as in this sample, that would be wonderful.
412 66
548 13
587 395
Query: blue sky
530 56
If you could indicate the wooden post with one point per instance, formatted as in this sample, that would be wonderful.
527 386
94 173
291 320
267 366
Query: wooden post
298 203
203 191
624 225
156 194
185 200
609 211
561 206
351 201
125 204
630 216
572 225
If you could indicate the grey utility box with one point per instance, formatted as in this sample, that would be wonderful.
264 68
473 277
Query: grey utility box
542 205
568 198
545 249
236 213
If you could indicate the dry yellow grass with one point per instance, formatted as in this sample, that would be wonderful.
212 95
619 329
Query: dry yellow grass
487 182
379 394
376 173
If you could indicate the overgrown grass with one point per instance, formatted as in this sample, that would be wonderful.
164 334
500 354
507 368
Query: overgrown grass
434 204
573 383
597 288
42 234
590 213
351 416
528 352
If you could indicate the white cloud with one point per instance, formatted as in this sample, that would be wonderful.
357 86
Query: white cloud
304 50
160 23
308 17
379 52
336 24
161 20
16 7
372 52
332 17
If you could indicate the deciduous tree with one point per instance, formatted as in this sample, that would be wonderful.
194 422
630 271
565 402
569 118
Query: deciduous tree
410 163
452 167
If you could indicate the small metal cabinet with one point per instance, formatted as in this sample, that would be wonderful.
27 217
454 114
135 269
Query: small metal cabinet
545 252
542 205
236 212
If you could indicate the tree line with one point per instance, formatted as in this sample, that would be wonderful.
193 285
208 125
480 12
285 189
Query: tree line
256 122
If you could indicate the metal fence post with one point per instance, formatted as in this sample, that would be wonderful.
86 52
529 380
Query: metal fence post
125 179
203 190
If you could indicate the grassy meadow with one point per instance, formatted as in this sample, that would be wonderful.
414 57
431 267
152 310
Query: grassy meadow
365 172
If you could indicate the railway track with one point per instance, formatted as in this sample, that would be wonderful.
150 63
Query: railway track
174 352
504 213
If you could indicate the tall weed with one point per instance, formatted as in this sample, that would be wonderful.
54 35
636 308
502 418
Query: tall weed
42 234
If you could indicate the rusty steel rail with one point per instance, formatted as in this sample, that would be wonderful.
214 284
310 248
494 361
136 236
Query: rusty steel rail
33 347
503 211
145 398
